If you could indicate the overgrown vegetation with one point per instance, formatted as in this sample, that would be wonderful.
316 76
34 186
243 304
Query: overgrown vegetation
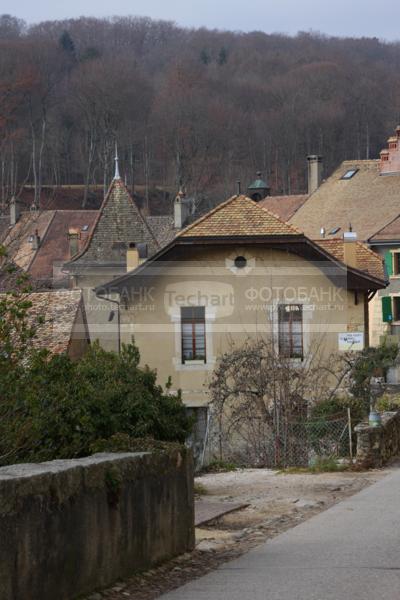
56 408
52 407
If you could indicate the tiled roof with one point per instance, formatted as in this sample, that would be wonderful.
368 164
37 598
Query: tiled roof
18 241
238 216
162 228
368 201
54 249
391 231
284 206
367 260
119 222
59 310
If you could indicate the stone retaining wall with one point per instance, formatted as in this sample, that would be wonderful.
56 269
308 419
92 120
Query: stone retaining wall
376 445
69 527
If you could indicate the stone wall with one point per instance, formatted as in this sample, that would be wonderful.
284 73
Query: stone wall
376 445
69 527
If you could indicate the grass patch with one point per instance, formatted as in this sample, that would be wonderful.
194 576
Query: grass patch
200 489
321 465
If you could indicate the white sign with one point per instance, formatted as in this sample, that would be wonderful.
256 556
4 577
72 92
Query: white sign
351 341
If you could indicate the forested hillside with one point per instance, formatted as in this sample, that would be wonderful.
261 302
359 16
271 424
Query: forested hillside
206 107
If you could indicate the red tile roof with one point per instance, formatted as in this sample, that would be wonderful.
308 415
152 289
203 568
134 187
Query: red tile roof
284 206
238 216
368 261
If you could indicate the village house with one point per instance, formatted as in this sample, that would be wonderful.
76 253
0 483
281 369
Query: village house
121 235
363 195
236 272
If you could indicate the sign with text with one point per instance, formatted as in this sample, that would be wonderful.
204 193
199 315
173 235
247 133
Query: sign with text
353 341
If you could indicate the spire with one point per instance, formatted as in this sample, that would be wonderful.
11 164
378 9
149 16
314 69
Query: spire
116 175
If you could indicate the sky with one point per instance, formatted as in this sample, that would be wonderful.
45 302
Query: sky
333 17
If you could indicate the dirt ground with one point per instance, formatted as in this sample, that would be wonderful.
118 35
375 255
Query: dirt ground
276 502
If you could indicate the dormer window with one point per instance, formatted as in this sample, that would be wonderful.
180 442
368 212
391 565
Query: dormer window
350 173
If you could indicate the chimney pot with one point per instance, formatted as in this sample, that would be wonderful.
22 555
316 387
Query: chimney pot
36 240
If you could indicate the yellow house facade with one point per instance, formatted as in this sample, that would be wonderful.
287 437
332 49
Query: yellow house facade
236 273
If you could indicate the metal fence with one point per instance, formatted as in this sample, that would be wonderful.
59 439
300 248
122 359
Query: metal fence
306 441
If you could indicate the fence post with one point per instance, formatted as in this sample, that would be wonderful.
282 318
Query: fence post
350 434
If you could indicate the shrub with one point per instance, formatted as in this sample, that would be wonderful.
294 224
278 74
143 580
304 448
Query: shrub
388 402
56 408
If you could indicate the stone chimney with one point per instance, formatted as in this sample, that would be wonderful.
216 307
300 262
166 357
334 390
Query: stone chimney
315 166
73 237
182 207
390 156
350 249
15 211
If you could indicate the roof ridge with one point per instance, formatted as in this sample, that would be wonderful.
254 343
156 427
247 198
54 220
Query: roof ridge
384 227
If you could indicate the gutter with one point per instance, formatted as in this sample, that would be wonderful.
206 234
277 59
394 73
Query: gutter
118 303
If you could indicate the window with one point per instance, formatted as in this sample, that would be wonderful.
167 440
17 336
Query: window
290 323
350 173
396 308
334 231
396 263
193 322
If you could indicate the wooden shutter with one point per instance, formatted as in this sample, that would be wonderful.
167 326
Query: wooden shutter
387 313
389 263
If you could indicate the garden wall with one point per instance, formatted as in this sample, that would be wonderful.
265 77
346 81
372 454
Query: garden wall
376 445
69 527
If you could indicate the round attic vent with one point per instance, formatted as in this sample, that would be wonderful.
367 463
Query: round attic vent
240 262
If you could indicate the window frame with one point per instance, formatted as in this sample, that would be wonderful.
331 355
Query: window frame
288 350
349 174
193 320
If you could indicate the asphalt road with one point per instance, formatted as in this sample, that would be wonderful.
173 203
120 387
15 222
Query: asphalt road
349 552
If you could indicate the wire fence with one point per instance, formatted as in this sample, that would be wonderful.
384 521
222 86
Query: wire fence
305 441
282 443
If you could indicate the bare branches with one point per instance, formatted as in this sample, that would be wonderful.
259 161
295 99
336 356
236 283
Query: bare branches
257 394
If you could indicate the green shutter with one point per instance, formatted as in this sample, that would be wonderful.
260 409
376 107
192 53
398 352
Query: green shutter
387 315
389 263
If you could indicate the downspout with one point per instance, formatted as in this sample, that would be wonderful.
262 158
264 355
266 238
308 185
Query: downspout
118 303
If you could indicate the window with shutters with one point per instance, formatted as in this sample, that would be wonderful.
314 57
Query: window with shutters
193 324
290 329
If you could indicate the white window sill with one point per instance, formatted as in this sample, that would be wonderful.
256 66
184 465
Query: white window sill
194 365
195 362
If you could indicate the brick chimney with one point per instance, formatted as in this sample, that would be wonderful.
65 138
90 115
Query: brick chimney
350 249
315 166
390 156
